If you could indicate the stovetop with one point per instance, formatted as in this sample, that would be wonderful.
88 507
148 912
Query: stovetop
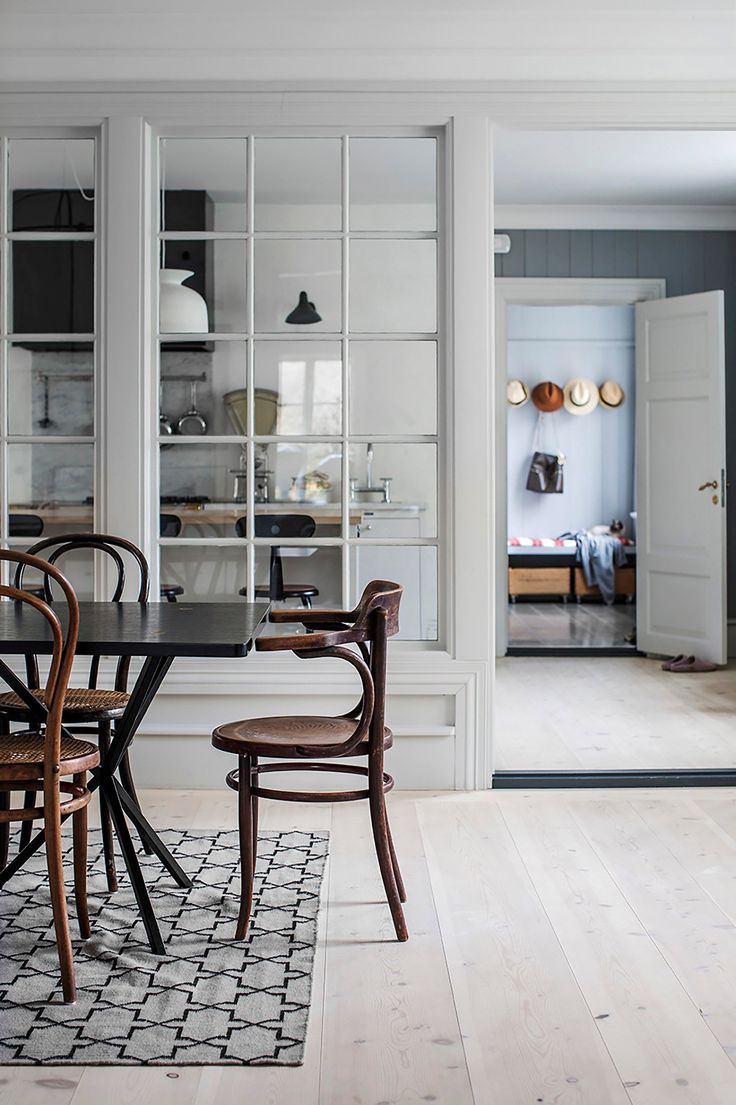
188 500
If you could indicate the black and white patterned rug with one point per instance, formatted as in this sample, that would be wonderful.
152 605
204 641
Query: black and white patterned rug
210 1000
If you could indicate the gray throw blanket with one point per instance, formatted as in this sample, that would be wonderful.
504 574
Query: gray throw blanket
600 555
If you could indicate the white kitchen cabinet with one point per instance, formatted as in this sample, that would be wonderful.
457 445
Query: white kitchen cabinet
414 566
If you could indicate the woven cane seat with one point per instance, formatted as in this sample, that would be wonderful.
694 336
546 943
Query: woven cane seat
27 750
80 703
284 736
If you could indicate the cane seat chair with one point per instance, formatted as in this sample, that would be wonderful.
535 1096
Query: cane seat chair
94 709
281 525
45 760
358 637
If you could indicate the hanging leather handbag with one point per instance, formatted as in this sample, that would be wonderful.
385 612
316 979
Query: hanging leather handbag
547 470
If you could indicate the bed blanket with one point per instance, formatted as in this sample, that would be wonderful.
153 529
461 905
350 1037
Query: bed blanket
600 555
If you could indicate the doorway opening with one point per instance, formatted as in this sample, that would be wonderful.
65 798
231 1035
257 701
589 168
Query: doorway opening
609 221
559 341
562 537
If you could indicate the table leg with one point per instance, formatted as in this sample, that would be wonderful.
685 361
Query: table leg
134 868
149 836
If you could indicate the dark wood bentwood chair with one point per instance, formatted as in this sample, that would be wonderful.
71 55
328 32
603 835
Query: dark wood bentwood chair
169 525
87 710
41 759
281 525
301 743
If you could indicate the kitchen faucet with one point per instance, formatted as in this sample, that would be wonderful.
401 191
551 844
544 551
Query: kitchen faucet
369 488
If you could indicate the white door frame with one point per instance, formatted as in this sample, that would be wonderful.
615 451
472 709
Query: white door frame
545 292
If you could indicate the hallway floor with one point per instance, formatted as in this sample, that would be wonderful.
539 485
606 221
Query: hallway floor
601 713
570 624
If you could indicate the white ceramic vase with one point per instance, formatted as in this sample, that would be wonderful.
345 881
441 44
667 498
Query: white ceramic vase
180 310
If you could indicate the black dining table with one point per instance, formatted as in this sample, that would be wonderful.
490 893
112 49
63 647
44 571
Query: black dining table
158 633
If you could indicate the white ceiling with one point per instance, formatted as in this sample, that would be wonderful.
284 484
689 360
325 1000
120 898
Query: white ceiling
615 167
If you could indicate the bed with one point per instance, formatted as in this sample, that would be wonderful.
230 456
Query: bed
548 567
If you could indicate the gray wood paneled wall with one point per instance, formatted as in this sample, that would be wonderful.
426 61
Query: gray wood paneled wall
689 260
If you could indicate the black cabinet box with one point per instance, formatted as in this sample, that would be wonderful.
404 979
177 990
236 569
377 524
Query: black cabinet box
53 281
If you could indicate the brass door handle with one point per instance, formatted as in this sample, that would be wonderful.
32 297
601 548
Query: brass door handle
710 483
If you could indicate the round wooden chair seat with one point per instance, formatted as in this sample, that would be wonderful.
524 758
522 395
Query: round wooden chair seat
27 750
283 736
80 704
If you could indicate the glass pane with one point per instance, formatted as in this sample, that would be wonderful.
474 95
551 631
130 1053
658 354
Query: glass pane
305 381
203 181
304 570
393 184
215 397
202 484
50 391
52 184
298 184
404 370
393 286
202 287
52 287
78 566
54 481
207 573
408 475
309 474
415 568
284 269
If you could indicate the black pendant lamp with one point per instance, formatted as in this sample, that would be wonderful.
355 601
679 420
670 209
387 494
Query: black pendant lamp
304 314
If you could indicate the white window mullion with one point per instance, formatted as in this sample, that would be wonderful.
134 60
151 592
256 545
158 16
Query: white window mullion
126 432
345 530
250 482
4 348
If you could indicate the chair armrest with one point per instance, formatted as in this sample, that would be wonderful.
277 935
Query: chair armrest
310 617
305 642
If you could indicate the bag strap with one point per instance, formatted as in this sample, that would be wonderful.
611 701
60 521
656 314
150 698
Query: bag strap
560 455
538 433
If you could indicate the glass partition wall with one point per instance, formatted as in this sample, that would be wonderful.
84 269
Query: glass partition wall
298 368
48 253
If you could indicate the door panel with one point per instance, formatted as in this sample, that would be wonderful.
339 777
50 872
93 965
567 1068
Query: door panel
680 436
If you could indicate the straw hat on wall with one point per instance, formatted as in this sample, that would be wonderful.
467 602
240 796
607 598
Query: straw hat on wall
517 393
612 394
581 396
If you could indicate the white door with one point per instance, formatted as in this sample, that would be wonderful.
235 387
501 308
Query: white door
681 472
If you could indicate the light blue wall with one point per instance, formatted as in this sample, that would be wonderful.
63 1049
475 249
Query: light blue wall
559 343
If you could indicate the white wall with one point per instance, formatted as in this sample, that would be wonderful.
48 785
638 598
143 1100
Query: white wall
557 344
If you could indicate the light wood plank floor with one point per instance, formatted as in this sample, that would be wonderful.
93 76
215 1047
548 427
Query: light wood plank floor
603 713
576 948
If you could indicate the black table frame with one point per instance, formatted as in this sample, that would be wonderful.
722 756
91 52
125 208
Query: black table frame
121 804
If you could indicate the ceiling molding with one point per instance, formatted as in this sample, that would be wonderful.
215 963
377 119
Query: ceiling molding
533 104
527 216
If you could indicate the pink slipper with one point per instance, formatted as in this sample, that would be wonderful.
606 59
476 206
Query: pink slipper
669 664
692 663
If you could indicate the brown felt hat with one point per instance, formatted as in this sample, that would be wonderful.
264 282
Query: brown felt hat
548 397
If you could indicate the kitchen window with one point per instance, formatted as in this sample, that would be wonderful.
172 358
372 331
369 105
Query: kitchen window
299 351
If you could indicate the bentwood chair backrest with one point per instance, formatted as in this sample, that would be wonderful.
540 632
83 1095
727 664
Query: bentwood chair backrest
331 633
64 643
117 549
